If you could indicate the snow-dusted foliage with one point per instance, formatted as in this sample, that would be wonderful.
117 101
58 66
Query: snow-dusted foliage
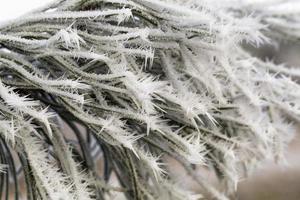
133 84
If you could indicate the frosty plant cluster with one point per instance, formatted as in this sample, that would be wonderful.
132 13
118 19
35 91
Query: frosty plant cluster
126 85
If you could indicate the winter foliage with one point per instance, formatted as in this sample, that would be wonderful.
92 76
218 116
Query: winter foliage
139 83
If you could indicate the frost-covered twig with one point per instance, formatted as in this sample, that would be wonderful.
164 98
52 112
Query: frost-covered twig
137 82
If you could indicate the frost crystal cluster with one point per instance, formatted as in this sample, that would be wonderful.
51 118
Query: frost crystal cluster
99 98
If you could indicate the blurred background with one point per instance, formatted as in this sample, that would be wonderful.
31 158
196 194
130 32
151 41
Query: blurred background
270 181
11 9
